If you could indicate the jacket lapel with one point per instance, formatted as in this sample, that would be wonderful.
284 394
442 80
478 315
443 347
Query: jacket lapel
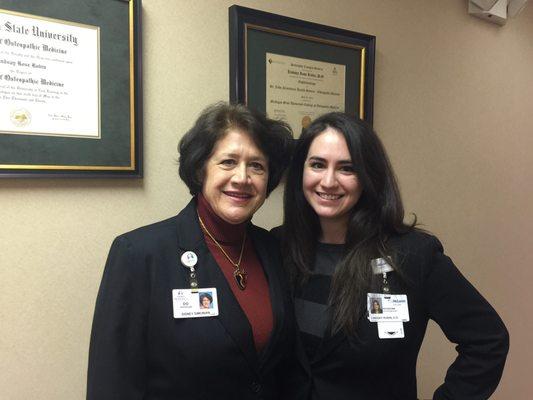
231 315
328 345
271 267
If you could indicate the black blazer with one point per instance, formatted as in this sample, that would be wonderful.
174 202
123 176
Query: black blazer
371 368
139 351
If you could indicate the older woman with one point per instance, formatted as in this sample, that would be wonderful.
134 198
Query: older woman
367 283
151 337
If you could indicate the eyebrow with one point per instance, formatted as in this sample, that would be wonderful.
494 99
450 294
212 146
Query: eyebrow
235 155
316 158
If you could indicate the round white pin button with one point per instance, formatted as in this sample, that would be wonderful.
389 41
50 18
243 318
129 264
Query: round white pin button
189 259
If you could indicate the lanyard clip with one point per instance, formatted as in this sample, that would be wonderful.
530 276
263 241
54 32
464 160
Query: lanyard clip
382 266
386 288
189 259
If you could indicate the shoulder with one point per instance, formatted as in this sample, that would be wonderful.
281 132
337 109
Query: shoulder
416 242
131 252
277 232
149 235
415 253
156 229
264 236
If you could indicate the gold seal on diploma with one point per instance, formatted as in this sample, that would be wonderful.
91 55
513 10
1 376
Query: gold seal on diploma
20 117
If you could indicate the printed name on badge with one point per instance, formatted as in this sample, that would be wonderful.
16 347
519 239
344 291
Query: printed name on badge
202 302
387 307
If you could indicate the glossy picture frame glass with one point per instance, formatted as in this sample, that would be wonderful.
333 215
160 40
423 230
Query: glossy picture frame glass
114 148
255 36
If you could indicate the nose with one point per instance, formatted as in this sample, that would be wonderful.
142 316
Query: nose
240 176
329 180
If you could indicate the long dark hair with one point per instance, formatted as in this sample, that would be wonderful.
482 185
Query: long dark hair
378 214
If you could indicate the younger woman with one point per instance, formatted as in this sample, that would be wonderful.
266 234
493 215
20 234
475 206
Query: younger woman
346 246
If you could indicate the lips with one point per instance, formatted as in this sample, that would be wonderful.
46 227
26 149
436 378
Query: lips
239 196
329 196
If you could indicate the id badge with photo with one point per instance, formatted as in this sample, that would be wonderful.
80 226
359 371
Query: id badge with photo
197 303
387 307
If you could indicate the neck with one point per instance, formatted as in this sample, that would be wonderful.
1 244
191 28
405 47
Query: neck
333 231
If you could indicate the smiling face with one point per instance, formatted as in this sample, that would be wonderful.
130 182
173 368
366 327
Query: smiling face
330 184
236 177
205 302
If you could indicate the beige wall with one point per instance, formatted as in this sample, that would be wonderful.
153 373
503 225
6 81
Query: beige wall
453 104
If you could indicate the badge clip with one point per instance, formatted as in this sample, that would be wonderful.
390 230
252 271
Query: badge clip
382 266
385 287
189 259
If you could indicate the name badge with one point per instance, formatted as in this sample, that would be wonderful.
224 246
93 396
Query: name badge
387 307
390 330
195 304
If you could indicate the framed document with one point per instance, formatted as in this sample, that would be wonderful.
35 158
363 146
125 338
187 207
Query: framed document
297 70
70 88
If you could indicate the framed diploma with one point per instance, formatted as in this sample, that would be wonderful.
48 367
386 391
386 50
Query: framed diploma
297 70
70 88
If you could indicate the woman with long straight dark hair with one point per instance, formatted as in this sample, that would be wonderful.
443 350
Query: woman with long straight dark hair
350 254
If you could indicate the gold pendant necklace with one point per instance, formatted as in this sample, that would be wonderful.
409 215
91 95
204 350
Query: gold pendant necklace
239 274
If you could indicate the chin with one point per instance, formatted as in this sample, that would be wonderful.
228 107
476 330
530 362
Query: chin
237 218
325 213
331 216
327 216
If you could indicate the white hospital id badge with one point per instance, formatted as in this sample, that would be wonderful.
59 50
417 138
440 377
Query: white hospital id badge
387 307
195 304
390 330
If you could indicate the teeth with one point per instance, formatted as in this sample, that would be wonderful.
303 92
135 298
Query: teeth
329 196
239 195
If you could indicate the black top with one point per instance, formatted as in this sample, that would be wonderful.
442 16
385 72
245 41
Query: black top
139 351
311 302
371 368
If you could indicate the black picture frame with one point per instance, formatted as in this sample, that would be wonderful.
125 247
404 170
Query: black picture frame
117 153
252 33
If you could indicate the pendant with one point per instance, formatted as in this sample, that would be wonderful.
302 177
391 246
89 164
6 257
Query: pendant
240 277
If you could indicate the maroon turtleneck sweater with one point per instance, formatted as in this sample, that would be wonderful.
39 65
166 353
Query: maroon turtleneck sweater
255 299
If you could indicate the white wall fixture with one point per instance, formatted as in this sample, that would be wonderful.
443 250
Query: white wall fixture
496 11
486 5
496 14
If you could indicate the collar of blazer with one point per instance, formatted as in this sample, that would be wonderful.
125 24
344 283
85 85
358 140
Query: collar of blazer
231 315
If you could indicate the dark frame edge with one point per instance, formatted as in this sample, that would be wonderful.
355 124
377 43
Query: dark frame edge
369 87
234 61
138 84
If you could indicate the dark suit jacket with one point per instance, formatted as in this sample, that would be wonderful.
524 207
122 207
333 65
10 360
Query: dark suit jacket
139 351
371 368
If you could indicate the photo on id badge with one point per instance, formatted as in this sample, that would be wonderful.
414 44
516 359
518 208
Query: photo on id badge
206 300
375 306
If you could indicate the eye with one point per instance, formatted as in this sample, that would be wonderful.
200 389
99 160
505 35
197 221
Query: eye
228 162
257 166
317 164
347 168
